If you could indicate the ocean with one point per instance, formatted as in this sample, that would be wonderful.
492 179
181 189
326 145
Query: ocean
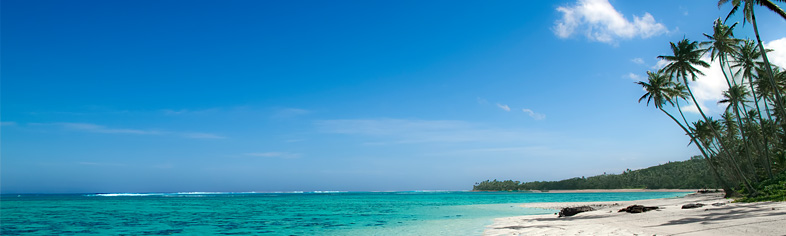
296 213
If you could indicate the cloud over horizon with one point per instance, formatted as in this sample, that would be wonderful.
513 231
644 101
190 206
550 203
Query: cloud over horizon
599 21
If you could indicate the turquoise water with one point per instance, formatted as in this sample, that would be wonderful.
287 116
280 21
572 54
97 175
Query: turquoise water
319 213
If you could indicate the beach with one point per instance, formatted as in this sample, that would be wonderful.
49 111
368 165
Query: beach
718 216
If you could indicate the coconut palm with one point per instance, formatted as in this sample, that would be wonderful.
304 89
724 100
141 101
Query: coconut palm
735 96
659 91
748 7
722 44
750 16
704 135
747 61
686 55
679 92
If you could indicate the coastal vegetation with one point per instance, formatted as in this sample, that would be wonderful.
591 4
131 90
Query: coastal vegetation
745 147
689 174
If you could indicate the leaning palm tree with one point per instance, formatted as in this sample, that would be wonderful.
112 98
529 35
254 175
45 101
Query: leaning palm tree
765 89
748 7
659 91
722 44
685 56
747 61
702 134
679 92
735 96
750 16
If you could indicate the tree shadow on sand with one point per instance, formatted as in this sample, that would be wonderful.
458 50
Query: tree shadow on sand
719 215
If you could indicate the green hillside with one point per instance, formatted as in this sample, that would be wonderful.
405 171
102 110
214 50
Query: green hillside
690 174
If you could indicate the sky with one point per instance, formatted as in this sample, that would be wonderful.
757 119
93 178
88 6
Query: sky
239 96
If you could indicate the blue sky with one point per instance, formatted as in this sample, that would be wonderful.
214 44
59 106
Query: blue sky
168 96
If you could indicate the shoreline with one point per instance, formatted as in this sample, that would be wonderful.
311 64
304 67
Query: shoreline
723 218
614 190
632 190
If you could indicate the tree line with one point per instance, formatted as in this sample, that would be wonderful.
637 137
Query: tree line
689 174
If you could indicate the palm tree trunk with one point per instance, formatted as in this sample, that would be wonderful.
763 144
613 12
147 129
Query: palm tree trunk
778 96
725 185
717 135
767 158
745 140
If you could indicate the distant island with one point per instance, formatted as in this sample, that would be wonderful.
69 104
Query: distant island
689 174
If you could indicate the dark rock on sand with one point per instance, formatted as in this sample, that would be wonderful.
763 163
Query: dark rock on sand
637 209
569 211
692 205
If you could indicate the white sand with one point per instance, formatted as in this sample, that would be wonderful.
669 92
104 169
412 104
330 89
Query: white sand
764 218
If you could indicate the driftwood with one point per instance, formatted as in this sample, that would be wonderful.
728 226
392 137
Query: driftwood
569 211
637 209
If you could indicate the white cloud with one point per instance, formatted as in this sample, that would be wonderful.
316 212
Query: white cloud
638 61
634 77
534 115
708 89
599 21
660 64
778 55
286 155
503 107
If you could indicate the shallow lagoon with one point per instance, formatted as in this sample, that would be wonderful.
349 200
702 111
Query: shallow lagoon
310 213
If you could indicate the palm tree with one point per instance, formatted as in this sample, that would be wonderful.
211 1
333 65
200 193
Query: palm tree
747 62
722 44
750 16
735 96
659 90
679 92
748 8
703 135
686 55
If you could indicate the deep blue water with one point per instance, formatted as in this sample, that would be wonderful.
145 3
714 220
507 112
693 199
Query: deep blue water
332 213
